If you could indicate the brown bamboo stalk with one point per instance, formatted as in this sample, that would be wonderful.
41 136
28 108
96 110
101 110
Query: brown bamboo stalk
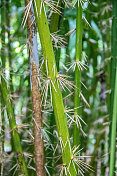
36 105
36 97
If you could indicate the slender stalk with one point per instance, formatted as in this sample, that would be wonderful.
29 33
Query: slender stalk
2 133
36 97
54 27
8 14
113 102
13 127
53 76
76 136
3 33
107 38
114 55
113 133
3 59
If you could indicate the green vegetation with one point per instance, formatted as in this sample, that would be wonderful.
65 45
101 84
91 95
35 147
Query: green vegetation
78 66
113 101
58 88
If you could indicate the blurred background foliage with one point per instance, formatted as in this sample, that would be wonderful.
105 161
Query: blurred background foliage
95 86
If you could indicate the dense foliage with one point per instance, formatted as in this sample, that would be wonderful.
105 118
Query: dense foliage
58 87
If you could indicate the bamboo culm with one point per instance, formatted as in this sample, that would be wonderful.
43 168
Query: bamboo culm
113 100
36 96
13 128
53 76
76 136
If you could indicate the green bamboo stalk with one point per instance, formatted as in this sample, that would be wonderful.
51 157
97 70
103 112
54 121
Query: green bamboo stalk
113 133
76 135
2 132
8 14
114 55
107 38
54 27
113 101
13 127
9 49
53 76
3 33
3 59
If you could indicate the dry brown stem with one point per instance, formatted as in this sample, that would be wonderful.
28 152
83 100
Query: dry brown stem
36 99
38 141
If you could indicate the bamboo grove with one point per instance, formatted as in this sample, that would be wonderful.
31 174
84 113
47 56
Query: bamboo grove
58 88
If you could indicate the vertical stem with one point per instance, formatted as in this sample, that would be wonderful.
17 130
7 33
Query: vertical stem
53 76
113 133
3 59
114 55
3 33
54 26
113 102
108 38
107 73
8 14
13 127
76 137
38 141
2 134
36 97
